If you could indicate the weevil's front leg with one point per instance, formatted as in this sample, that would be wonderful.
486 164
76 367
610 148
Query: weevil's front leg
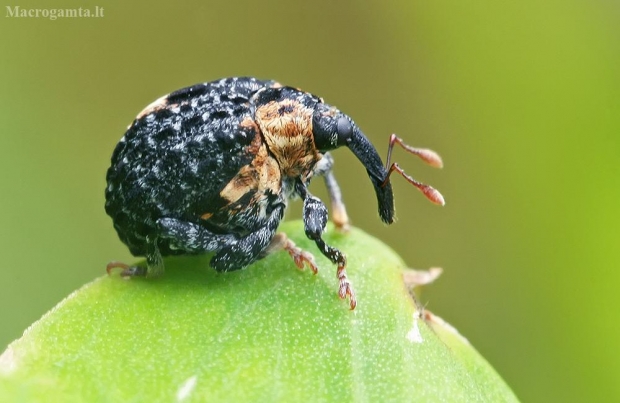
248 249
154 262
315 219
339 212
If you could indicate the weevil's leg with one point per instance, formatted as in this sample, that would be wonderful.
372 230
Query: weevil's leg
315 219
280 241
248 249
339 212
154 262
127 271
191 237
429 156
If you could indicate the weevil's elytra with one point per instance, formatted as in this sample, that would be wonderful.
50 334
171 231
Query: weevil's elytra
211 168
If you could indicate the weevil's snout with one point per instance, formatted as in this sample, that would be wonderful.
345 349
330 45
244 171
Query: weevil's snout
367 154
332 129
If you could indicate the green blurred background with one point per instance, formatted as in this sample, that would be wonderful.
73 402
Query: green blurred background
520 98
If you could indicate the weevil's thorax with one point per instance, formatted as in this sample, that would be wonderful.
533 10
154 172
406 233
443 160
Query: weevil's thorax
284 116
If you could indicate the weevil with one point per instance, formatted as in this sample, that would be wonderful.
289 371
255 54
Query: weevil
212 167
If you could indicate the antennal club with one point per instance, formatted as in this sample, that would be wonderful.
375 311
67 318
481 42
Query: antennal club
429 156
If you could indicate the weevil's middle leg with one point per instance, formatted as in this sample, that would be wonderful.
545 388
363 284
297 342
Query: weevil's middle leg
282 242
339 212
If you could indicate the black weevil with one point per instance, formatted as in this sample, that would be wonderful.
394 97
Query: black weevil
211 168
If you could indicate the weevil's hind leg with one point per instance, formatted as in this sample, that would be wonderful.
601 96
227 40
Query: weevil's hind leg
282 242
339 213
154 262
250 248
315 219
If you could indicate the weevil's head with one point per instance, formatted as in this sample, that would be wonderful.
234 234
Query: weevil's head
332 129
297 126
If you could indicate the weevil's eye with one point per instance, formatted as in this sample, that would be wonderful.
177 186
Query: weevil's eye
331 130
345 130
324 131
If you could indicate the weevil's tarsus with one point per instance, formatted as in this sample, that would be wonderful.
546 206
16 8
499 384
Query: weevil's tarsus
154 263
115 265
345 288
127 271
302 258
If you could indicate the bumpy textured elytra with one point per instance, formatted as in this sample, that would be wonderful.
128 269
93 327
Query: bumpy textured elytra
211 168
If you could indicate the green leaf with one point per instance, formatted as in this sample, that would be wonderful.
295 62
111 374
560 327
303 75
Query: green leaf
267 333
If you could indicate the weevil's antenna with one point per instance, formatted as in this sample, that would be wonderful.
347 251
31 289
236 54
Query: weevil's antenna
429 156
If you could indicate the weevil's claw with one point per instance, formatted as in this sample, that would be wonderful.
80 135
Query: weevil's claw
115 265
128 271
345 288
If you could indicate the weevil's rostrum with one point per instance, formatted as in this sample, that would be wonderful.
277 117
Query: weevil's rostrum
211 168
